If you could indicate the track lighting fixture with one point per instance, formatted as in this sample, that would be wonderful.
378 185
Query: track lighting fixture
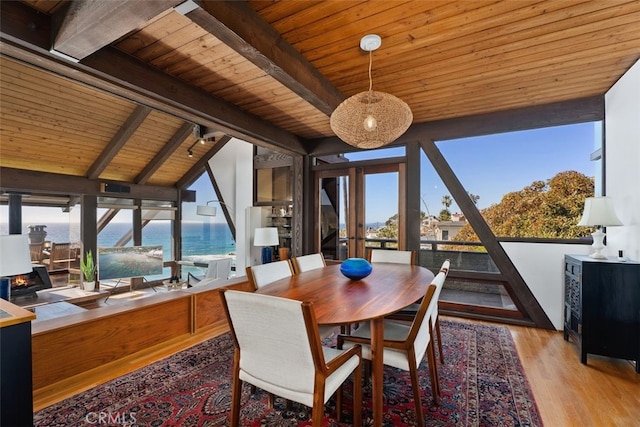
203 138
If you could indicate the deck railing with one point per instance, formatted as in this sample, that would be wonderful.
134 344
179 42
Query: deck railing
473 279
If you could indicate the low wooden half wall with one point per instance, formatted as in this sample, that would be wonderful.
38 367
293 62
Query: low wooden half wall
76 343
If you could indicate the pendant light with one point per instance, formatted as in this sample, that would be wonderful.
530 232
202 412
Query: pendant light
371 119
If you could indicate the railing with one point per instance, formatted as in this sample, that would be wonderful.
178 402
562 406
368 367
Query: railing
474 279
433 253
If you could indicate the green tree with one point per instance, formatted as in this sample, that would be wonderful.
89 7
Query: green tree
446 201
474 198
543 209
445 214
390 229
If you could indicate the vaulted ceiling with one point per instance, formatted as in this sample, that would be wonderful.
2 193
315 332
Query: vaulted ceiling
112 90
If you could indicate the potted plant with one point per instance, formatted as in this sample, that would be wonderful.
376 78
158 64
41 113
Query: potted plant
88 268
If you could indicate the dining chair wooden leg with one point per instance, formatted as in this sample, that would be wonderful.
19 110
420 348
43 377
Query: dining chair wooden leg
439 340
357 397
433 373
270 400
415 385
236 394
317 412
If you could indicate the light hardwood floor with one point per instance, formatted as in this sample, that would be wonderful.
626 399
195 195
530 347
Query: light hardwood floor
603 393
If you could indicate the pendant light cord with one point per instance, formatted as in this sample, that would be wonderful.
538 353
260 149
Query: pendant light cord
370 80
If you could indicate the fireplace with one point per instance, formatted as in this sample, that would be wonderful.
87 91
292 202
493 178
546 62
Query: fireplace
29 283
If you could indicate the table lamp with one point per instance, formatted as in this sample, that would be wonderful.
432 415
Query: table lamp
598 212
14 259
266 237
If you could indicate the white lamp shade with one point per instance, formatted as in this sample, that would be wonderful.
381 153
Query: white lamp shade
14 255
206 210
267 236
598 211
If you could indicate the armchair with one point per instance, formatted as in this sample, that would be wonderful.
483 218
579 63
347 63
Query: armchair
278 349
405 346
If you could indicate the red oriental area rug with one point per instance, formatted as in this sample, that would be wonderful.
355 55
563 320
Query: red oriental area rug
482 384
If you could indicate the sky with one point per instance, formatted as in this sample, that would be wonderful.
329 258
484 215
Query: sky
488 166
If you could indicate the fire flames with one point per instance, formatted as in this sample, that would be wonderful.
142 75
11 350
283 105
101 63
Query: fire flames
19 281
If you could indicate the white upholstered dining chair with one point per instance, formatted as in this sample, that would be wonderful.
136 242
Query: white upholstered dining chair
399 257
278 349
408 313
265 274
405 346
308 262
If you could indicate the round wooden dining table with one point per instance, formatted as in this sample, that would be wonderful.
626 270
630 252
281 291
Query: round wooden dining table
338 300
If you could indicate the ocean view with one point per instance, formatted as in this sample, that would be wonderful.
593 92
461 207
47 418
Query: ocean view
199 240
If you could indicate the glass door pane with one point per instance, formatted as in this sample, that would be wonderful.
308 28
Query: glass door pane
355 204
334 202
381 210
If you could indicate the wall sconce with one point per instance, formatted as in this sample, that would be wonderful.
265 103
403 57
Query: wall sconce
206 210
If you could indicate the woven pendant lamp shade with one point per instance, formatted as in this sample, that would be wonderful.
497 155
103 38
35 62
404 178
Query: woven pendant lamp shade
371 119
392 114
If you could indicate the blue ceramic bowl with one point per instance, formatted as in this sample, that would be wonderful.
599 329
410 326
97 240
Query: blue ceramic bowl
355 268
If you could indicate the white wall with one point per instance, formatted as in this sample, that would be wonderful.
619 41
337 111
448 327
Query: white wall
622 132
541 265
232 168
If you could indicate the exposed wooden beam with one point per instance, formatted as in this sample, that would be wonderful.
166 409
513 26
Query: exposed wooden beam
524 298
118 141
173 96
21 24
537 116
243 30
88 229
106 218
197 169
412 199
169 148
26 40
86 26
22 180
225 208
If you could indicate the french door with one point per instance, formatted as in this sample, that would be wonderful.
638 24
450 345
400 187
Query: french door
353 203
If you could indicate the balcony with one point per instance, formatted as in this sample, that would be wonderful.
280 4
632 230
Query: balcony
474 280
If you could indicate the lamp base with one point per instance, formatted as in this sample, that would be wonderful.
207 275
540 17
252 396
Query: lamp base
598 244
5 288
598 255
267 255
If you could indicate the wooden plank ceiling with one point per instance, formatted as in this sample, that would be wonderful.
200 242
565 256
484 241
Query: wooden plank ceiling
272 72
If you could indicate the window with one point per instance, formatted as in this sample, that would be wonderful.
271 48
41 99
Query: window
204 236
526 184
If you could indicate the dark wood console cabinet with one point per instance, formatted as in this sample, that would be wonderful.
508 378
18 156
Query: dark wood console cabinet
602 307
